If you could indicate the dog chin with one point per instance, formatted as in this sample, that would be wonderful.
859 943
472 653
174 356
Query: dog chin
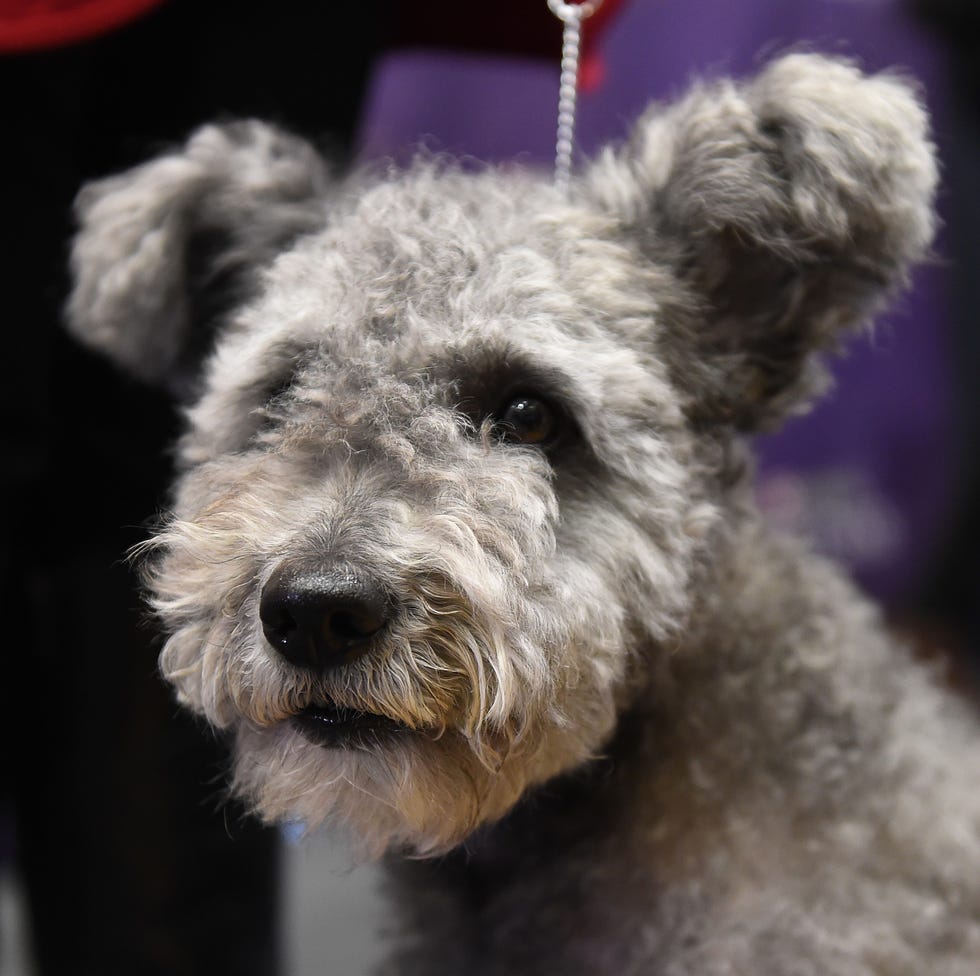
400 789
387 787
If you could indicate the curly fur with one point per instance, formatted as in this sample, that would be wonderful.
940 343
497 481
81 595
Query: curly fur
637 732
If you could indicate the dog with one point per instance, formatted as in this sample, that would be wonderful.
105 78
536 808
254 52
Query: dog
463 552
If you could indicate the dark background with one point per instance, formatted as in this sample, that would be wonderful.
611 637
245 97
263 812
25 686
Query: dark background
131 860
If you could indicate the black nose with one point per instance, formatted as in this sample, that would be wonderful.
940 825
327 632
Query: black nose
319 617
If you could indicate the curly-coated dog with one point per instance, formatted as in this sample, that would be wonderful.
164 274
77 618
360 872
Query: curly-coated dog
463 551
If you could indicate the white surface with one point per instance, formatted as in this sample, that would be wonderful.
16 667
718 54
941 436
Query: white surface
331 913
15 958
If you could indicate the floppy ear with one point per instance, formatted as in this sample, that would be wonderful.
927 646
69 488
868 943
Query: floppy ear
791 206
162 249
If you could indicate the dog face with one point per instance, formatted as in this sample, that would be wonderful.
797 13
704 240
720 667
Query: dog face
411 568
462 446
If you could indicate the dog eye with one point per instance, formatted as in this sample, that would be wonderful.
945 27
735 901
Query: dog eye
528 420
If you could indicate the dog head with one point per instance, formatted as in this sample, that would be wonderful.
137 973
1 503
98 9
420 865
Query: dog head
462 446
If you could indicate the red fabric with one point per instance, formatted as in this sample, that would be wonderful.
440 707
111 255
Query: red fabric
32 24
511 27
592 70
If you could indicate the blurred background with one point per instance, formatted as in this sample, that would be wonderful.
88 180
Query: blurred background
118 851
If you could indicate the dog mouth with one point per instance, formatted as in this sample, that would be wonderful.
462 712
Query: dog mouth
339 727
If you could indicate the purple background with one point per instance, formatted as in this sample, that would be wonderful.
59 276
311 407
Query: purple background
867 473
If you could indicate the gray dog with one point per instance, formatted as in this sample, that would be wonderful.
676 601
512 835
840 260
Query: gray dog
463 550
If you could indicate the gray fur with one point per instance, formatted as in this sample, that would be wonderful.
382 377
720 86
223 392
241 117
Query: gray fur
250 188
641 734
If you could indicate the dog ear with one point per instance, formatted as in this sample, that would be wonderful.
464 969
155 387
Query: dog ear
166 247
791 206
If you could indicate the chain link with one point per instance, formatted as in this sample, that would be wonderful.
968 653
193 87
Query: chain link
571 15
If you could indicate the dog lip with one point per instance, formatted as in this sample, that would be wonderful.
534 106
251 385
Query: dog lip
337 726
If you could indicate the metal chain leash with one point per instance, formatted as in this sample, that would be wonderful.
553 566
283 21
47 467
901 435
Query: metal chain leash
571 15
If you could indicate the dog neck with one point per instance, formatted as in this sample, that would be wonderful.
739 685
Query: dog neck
539 855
